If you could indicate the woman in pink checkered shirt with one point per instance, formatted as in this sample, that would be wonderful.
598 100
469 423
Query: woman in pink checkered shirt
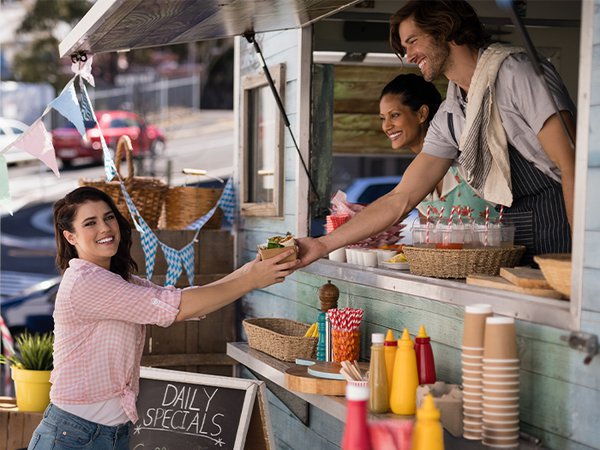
100 312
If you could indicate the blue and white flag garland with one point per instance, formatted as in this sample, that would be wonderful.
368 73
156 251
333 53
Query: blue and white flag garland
226 203
68 105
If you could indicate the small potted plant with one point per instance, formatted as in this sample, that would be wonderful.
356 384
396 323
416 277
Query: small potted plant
31 365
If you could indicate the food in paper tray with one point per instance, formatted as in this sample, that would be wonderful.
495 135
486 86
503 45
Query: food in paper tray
278 244
399 258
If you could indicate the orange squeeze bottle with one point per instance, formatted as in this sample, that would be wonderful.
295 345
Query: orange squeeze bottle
389 350
403 399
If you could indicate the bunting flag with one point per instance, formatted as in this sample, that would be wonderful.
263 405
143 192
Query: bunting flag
84 69
85 105
67 105
37 142
174 262
149 243
199 223
187 258
227 202
4 191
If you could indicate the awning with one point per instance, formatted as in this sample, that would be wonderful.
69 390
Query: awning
113 25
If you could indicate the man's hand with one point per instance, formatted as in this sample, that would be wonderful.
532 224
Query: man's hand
309 250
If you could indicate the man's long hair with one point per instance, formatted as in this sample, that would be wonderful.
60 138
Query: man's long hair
444 20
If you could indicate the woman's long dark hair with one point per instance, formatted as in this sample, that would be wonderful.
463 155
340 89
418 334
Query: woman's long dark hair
444 20
415 92
65 210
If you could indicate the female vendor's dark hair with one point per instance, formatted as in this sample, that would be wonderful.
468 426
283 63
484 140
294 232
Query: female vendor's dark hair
65 210
414 92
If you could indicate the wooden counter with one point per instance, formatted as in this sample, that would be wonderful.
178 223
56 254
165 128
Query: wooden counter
274 370
16 427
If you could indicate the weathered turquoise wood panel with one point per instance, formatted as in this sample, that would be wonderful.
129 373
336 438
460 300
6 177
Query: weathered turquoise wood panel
594 138
591 290
590 322
595 93
592 210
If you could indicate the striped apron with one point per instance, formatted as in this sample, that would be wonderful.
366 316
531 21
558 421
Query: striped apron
538 209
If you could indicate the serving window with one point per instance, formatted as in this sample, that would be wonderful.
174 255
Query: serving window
262 145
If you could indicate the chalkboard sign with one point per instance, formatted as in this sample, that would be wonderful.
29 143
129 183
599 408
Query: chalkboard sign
182 410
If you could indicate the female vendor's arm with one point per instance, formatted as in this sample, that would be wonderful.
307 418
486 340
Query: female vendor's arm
557 147
419 180
201 300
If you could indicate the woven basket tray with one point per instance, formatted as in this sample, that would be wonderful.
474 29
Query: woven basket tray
441 263
185 204
280 338
147 193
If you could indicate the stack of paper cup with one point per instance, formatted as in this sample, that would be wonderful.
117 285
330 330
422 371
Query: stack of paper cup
500 384
472 366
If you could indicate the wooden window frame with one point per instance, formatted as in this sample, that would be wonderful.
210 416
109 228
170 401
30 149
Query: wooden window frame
249 83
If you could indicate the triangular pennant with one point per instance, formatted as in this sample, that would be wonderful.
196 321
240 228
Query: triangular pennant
187 258
198 224
66 104
227 201
84 69
174 262
109 165
87 112
37 142
4 191
149 243
133 211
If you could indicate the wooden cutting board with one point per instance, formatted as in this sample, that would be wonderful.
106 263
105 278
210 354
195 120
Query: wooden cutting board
298 379
525 277
501 283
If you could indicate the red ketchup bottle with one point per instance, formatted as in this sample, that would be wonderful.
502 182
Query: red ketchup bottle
425 363
356 431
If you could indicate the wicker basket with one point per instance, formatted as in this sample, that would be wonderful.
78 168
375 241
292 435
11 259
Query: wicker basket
186 204
281 338
147 193
556 268
442 263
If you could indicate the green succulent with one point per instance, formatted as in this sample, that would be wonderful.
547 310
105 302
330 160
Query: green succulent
33 352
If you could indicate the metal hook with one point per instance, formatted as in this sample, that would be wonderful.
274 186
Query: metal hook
80 56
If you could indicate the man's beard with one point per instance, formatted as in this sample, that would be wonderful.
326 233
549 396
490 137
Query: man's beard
437 62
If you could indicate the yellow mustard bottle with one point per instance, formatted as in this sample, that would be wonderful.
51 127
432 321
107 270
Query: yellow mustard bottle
389 350
428 433
403 398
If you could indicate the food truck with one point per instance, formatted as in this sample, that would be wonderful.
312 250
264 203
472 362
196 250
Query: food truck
328 61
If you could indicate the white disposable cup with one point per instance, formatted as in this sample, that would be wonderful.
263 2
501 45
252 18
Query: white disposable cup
384 255
478 308
350 258
338 255
369 258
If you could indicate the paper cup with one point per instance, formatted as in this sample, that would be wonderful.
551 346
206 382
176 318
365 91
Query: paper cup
474 324
473 373
510 376
500 384
338 255
492 444
472 397
500 423
469 357
500 338
500 401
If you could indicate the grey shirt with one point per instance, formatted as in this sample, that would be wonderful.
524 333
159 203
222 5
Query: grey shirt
524 108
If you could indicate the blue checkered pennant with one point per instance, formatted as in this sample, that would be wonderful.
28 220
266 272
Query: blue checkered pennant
174 262
87 113
198 224
109 165
149 245
187 258
133 211
227 201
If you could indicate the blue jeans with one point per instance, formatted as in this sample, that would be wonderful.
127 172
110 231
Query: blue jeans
60 430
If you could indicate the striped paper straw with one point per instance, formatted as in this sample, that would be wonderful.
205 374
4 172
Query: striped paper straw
487 222
427 224
501 214
7 339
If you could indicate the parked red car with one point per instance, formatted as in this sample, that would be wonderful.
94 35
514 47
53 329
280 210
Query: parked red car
145 138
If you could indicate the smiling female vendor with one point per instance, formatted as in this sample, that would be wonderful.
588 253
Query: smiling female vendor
407 105
497 122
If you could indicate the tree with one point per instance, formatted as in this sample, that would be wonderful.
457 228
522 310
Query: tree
39 61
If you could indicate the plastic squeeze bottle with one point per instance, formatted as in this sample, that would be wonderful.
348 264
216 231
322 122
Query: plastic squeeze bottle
428 433
356 432
425 363
389 350
403 399
379 400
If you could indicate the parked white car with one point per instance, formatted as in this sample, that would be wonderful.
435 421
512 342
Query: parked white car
10 130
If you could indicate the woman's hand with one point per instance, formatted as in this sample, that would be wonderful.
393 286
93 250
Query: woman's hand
270 271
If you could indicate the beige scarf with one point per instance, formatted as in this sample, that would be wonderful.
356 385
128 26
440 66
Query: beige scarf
483 145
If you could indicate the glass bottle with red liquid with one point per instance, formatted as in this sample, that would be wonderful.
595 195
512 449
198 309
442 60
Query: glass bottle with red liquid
356 432
425 362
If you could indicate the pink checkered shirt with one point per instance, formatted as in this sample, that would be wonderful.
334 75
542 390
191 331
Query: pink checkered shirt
99 333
